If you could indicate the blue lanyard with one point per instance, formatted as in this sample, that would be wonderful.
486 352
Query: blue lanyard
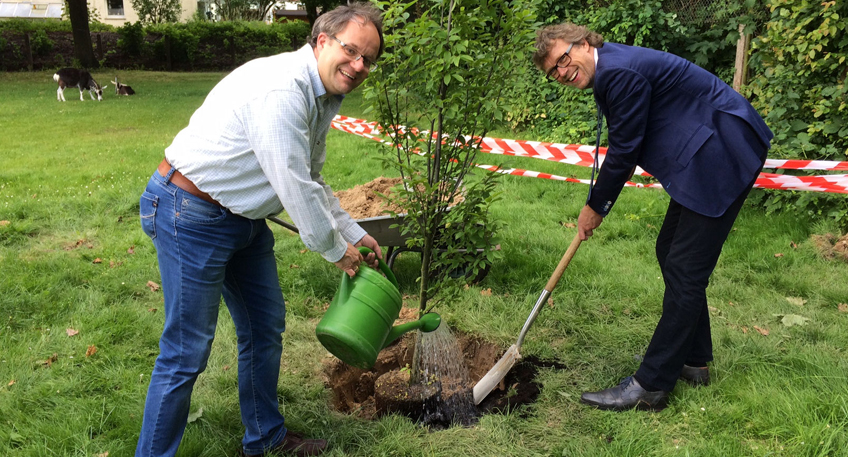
597 150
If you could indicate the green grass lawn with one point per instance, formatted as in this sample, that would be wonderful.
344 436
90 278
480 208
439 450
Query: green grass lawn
73 258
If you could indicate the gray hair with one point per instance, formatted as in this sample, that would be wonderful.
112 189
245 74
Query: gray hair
567 32
333 22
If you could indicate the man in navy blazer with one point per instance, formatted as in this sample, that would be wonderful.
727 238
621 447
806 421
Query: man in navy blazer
705 143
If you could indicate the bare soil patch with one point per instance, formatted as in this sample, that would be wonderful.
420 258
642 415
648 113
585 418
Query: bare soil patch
355 391
831 246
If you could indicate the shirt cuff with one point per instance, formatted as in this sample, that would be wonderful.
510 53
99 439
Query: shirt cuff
337 252
353 233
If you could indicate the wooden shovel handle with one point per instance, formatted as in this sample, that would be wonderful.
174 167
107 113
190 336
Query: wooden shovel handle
563 263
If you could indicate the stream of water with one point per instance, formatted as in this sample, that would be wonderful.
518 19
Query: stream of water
442 364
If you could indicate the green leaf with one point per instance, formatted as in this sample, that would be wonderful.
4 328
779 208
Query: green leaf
195 415
832 127
799 125
790 320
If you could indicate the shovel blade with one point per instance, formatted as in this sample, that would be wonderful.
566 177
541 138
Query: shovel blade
488 382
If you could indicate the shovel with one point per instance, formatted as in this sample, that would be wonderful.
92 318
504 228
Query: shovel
499 371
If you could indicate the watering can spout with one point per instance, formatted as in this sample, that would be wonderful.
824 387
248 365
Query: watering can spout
427 323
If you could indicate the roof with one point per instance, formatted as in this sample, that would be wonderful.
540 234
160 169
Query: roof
290 13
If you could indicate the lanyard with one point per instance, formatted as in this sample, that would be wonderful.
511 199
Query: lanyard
597 150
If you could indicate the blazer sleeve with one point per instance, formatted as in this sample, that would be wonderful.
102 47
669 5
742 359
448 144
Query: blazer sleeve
624 96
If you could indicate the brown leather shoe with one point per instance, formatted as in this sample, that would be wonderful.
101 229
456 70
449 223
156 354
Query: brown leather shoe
627 395
294 444
696 376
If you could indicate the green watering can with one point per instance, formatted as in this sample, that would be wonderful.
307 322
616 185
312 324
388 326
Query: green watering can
358 323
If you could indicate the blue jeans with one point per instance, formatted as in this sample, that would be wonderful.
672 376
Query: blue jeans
205 251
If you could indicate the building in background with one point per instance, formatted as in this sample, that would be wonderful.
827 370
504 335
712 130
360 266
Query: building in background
289 11
44 9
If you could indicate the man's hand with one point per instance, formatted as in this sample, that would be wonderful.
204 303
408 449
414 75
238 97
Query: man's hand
349 263
369 242
588 221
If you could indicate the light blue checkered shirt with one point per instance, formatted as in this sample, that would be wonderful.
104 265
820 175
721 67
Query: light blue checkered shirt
257 146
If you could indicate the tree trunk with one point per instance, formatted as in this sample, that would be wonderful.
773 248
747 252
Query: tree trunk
311 8
83 51
28 51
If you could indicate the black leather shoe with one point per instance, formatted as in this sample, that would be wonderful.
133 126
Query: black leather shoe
627 395
294 444
696 376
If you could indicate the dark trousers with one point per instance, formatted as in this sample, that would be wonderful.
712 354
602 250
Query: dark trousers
688 247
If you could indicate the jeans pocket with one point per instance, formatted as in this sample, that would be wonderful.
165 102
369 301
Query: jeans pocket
147 210
198 211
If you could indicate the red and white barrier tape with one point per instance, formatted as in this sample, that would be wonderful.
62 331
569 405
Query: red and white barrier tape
581 155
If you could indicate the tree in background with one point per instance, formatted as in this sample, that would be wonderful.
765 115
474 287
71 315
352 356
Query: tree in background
436 92
83 50
312 7
157 11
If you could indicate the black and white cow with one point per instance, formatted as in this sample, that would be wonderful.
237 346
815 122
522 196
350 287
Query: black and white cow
81 79
122 89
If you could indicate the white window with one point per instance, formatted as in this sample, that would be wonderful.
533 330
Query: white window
115 7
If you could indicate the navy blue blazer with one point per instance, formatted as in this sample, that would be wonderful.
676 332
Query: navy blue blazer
700 138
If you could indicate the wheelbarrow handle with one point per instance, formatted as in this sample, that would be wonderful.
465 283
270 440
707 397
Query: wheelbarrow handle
283 223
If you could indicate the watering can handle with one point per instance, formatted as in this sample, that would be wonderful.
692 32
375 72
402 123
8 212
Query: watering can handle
383 267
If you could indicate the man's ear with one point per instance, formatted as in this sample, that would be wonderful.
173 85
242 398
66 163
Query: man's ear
321 40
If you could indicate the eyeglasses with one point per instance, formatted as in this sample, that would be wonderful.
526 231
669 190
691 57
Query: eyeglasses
355 55
562 62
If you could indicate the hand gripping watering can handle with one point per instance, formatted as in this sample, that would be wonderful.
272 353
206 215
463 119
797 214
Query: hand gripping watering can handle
383 267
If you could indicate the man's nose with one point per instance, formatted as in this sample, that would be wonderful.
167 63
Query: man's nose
359 64
561 72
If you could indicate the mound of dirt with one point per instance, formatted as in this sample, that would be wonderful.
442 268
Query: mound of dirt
364 201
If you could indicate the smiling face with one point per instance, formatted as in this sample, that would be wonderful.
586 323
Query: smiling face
339 73
580 72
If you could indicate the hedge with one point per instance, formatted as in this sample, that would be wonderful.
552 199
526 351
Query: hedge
191 46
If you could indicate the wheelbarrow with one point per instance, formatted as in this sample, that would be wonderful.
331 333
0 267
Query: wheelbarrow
386 231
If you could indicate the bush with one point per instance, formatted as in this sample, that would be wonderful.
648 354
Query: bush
240 40
131 39
193 45
40 43
799 88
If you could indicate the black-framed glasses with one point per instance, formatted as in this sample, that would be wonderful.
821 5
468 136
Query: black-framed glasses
355 55
562 62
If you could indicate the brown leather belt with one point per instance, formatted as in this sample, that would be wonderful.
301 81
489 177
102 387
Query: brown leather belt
184 183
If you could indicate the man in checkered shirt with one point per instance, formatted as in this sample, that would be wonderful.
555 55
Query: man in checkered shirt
254 148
